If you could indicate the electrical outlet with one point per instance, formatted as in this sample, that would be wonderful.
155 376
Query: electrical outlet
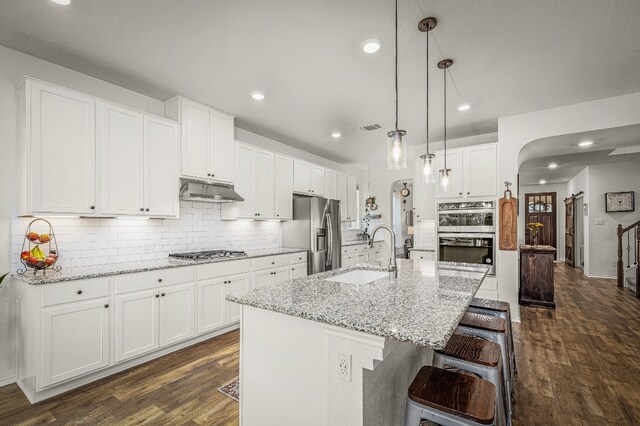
343 366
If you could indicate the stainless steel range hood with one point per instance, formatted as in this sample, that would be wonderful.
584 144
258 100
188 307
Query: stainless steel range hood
208 192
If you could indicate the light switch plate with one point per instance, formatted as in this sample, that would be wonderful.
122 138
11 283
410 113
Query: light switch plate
599 221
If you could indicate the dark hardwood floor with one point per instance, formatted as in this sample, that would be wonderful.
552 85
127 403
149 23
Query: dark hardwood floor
177 389
578 365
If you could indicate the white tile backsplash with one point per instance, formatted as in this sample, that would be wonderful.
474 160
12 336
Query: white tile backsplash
85 242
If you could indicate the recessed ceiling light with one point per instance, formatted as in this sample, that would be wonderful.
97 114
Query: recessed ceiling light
62 2
542 182
336 135
464 107
585 143
258 96
553 165
371 45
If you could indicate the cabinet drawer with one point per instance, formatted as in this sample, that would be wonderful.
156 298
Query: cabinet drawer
298 258
220 269
270 262
422 255
146 280
355 249
74 291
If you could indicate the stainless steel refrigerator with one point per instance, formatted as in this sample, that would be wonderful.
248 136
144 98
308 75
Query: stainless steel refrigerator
315 227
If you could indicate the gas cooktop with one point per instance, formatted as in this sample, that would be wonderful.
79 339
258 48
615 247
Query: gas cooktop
209 254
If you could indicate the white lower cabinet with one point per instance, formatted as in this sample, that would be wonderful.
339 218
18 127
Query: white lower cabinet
211 304
75 340
136 324
298 271
81 330
176 314
235 285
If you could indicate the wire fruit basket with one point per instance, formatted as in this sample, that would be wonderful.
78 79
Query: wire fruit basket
39 251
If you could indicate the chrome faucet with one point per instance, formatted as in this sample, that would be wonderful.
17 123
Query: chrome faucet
393 265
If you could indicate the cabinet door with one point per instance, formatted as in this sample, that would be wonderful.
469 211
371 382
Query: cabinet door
480 179
121 142
264 184
136 324
222 147
63 151
317 180
354 259
279 276
363 257
261 278
177 314
284 187
301 176
331 184
345 261
211 305
299 271
75 340
352 197
235 285
245 180
423 195
454 162
342 196
195 139
162 181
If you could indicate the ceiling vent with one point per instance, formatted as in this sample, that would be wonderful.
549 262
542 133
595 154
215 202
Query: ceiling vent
370 127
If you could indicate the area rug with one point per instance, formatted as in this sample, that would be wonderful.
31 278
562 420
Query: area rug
231 389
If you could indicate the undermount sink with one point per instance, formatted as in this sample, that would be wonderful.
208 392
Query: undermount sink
358 277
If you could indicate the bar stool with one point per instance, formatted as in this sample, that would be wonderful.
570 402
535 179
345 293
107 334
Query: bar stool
450 399
497 309
480 357
493 329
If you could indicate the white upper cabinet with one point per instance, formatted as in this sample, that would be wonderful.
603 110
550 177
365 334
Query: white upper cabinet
264 184
207 140
423 195
222 146
121 142
308 178
347 194
84 156
480 179
245 182
473 172
162 182
301 176
331 184
284 187
57 150
317 182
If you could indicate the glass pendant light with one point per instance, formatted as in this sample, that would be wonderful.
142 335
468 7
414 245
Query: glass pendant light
426 25
396 143
445 173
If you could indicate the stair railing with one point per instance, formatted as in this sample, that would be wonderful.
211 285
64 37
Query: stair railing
631 234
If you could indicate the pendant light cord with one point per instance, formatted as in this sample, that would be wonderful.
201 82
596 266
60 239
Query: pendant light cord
427 96
396 65
445 118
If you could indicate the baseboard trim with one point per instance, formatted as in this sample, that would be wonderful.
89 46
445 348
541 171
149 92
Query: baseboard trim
602 277
8 381
38 396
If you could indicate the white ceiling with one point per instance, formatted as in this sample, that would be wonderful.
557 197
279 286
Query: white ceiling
571 158
510 57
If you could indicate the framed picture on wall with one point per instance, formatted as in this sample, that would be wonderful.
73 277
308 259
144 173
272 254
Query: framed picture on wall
618 202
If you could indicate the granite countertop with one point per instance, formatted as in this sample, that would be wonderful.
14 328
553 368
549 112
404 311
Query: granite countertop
86 272
422 306
358 242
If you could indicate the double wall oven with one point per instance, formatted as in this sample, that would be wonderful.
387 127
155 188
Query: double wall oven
466 233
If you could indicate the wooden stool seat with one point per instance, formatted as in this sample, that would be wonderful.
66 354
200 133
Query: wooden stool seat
492 305
484 322
456 394
473 350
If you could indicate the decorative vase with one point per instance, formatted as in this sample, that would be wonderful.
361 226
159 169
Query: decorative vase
534 240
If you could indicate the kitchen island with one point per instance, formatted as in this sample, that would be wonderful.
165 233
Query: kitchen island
316 351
